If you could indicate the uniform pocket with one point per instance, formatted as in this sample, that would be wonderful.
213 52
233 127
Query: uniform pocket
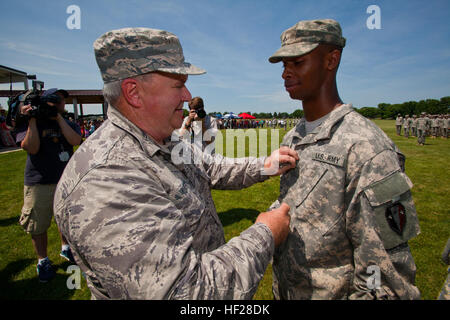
394 209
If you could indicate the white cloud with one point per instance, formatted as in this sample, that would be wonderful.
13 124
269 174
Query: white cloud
28 49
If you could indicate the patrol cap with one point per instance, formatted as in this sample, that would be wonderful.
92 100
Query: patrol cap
129 52
305 36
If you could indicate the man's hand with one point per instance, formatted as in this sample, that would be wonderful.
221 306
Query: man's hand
280 161
25 110
278 222
191 117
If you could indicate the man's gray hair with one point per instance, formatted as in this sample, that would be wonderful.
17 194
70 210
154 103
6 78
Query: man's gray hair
113 90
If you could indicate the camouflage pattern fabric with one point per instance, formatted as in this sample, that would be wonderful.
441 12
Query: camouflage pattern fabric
351 208
141 227
129 52
305 36
445 292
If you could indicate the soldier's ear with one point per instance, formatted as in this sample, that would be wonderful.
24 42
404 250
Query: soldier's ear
333 59
130 92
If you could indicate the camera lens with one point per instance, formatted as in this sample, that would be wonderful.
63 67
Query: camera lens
200 113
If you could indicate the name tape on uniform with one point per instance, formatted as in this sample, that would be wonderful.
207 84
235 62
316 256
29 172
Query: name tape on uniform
329 158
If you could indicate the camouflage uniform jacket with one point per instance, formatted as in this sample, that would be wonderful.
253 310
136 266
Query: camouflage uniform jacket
421 123
346 191
406 122
141 227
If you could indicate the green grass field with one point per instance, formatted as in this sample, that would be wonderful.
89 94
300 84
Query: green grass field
426 166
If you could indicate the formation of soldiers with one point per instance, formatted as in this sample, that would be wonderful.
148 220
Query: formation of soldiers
423 126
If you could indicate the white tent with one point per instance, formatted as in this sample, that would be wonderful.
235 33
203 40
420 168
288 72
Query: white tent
231 116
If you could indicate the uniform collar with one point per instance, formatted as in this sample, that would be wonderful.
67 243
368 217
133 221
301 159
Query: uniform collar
147 143
323 131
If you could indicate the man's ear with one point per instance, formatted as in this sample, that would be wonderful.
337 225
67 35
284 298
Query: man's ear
130 92
334 58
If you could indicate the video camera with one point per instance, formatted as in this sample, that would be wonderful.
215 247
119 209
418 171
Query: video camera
41 108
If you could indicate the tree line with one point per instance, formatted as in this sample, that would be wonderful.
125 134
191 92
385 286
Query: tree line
390 111
383 111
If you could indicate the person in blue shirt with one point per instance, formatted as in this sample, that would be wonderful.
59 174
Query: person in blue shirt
49 143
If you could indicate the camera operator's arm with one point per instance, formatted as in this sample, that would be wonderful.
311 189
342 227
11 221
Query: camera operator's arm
71 135
31 143
187 125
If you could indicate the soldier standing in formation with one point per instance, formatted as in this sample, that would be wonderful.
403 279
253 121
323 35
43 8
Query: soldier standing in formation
434 126
446 126
428 124
421 129
406 124
351 205
414 126
398 124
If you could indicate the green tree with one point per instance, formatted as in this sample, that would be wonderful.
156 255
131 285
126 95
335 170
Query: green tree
369 112
297 113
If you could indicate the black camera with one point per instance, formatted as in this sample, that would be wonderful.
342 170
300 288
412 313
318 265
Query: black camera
40 105
200 113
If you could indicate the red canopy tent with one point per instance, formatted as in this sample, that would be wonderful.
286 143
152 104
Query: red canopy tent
246 116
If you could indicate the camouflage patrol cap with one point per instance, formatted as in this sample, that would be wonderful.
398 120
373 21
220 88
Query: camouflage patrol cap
129 52
305 36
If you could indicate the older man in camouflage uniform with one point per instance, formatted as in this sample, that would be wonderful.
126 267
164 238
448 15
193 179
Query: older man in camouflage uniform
142 225
352 213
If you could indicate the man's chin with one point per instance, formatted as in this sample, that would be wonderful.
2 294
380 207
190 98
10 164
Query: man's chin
295 95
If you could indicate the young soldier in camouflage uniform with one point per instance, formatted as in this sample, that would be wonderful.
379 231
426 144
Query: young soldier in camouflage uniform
351 205
398 124
142 225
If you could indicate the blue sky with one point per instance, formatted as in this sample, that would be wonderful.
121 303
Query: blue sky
407 59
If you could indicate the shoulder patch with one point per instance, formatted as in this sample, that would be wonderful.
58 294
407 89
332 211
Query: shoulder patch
396 217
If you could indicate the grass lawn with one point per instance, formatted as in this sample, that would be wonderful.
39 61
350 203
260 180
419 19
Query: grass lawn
426 166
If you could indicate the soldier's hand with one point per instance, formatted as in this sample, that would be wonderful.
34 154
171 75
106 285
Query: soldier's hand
278 222
280 161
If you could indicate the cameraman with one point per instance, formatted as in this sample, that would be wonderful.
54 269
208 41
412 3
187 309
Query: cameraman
198 122
49 141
